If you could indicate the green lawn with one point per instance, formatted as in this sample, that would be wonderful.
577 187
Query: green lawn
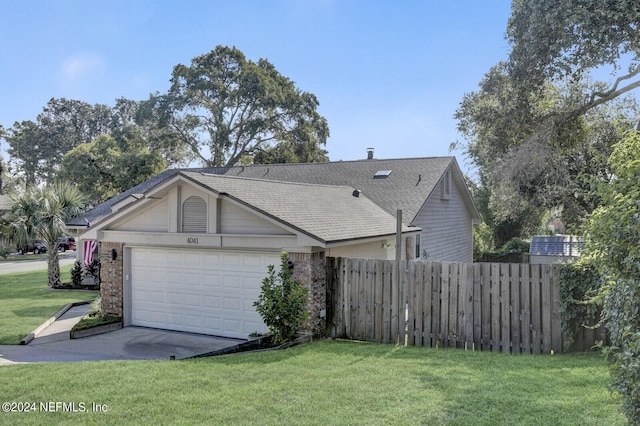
26 302
328 382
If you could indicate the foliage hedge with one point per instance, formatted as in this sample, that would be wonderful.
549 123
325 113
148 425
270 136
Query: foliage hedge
515 250
579 284
613 241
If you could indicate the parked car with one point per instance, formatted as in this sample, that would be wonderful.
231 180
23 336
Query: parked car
36 247
66 243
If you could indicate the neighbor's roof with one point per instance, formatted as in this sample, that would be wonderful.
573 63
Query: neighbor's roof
410 181
327 213
558 245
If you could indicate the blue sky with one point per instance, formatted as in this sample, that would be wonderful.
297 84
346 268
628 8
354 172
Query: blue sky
387 74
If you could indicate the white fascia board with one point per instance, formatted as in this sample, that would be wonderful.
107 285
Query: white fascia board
164 187
202 241
126 201
371 239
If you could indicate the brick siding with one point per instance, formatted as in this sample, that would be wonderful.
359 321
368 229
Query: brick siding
111 278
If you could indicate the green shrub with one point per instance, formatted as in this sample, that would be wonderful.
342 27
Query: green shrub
516 245
95 308
579 283
93 270
482 240
5 252
76 274
282 302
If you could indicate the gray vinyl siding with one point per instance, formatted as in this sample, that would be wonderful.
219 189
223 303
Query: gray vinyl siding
446 228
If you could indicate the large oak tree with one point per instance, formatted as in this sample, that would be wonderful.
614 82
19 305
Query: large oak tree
541 122
223 108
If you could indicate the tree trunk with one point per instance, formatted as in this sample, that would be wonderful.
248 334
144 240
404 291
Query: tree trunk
53 266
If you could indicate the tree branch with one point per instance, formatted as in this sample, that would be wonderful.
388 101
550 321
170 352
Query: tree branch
185 138
608 94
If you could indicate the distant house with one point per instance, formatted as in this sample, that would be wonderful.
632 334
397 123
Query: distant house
551 249
187 249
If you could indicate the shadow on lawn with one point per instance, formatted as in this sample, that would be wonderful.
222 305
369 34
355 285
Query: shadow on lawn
38 311
495 387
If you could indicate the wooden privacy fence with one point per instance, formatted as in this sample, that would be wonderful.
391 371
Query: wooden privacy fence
503 307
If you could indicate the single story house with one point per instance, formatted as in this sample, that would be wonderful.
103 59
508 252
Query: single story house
187 249
558 248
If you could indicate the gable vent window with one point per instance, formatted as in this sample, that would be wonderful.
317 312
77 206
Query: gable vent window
194 215
445 186
382 174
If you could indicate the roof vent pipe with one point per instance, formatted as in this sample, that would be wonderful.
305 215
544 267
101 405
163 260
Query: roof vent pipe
369 153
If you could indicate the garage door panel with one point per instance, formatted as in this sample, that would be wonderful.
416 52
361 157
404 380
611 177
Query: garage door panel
156 296
231 282
211 301
191 259
157 317
174 298
209 292
175 318
232 303
212 281
231 261
192 279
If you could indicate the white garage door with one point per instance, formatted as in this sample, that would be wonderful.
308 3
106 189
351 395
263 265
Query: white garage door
210 292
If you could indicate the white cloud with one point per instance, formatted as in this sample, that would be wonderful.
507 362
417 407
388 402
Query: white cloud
78 66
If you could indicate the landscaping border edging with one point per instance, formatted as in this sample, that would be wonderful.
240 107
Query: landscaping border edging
101 329
254 346
29 337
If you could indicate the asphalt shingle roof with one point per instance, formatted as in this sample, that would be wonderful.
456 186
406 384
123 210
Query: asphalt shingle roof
406 187
328 213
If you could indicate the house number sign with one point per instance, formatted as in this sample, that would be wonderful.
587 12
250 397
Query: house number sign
192 240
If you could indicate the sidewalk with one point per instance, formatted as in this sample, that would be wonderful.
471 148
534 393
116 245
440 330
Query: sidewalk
60 328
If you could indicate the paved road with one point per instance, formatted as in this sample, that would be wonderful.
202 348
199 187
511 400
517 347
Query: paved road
9 267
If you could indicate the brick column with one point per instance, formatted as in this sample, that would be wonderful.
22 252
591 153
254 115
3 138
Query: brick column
111 278
309 269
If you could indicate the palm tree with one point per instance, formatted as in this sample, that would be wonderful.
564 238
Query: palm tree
41 213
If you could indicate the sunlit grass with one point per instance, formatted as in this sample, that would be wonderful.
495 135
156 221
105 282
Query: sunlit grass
327 382
26 302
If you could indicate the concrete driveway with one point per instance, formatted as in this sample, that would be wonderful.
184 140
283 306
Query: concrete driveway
54 345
